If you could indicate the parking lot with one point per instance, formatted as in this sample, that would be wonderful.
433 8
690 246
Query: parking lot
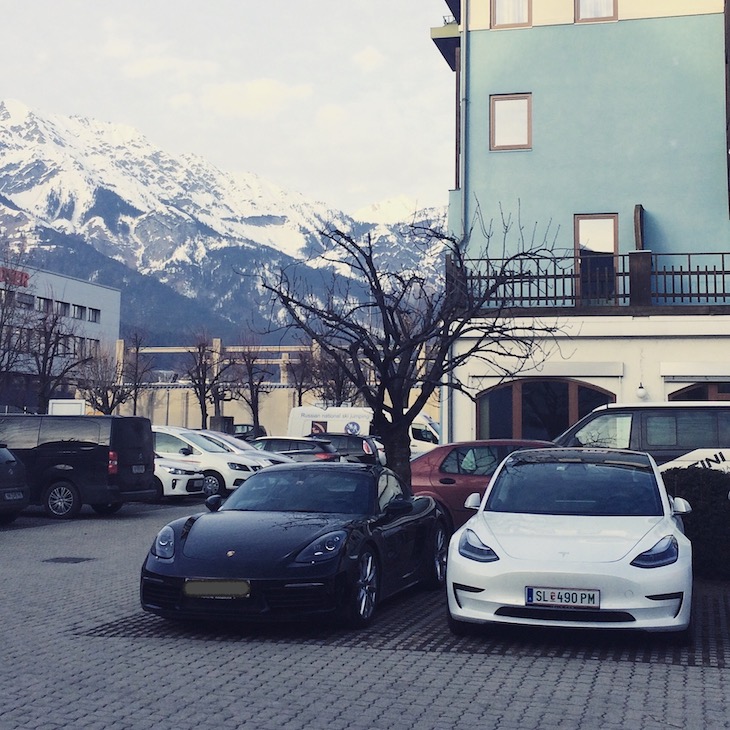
77 652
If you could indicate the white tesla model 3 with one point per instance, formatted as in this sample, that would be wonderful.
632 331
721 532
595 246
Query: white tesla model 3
573 538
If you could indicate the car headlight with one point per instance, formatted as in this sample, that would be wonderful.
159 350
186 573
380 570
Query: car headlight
470 546
665 552
176 470
323 548
237 466
164 545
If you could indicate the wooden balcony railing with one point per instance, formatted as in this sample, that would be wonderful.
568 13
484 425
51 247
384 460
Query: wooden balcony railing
637 279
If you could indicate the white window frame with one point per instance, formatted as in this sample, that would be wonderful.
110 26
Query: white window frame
501 7
500 139
583 8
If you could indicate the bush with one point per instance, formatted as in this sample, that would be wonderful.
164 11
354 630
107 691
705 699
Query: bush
708 525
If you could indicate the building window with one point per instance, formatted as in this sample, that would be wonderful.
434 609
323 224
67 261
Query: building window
94 315
63 309
43 305
510 120
587 11
79 312
511 13
92 348
596 245
24 301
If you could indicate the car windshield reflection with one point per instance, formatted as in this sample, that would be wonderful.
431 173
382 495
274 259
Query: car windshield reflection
565 488
302 491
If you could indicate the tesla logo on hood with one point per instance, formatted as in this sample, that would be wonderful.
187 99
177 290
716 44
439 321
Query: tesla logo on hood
230 553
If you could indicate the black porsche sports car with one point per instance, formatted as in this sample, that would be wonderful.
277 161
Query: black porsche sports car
295 541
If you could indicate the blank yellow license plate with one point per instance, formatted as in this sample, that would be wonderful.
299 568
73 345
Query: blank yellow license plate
217 588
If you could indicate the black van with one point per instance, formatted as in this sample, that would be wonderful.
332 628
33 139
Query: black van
676 433
102 461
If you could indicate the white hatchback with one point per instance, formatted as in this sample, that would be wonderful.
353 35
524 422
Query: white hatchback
175 478
223 470
572 538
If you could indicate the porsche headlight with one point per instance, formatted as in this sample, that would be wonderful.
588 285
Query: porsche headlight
470 546
323 548
665 552
164 545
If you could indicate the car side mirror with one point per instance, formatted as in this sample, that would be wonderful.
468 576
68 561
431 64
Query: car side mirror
214 502
680 506
473 501
186 451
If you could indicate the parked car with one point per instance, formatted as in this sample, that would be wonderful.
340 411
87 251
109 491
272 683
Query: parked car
175 478
69 461
450 473
573 538
247 431
14 491
294 541
363 449
299 449
238 446
224 471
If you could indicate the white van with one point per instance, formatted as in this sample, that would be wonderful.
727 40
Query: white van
308 420
675 433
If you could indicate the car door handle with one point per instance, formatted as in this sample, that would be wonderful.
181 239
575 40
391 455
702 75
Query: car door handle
447 480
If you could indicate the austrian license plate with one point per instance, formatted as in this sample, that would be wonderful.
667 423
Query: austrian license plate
137 468
217 588
563 597
13 496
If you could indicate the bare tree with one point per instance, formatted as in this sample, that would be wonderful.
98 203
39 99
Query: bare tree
254 378
56 354
393 332
206 368
300 375
138 366
101 382
331 382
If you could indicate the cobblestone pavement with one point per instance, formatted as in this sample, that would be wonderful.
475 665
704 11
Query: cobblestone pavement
76 651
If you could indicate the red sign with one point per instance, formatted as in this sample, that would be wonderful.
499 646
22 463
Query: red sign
13 277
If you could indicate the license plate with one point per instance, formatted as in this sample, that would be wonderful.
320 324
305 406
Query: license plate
137 468
13 496
563 597
217 588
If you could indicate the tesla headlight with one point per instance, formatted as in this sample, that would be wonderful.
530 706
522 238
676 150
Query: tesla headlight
470 546
237 466
323 548
164 545
665 552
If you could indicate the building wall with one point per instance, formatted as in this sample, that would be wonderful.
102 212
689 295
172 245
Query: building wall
623 113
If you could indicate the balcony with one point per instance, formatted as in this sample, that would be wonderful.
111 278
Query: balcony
640 282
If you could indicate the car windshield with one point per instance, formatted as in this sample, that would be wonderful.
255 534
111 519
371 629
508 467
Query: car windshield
204 443
297 490
575 488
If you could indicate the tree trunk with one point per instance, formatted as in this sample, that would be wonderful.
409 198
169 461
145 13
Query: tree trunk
396 440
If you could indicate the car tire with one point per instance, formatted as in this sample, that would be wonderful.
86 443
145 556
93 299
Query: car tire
436 575
363 593
213 484
460 628
108 508
61 500
159 491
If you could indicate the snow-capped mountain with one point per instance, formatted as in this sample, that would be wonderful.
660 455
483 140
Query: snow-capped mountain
98 201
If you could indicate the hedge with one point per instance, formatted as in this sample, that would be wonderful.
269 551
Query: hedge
708 525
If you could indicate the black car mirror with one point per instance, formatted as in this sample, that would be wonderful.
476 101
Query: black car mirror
186 451
214 502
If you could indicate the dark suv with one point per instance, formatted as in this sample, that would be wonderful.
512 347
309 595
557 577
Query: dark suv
299 449
102 461
14 492
363 449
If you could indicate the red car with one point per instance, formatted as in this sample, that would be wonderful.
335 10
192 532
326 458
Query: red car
450 473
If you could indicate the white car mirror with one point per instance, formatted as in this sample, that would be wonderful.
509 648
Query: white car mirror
473 501
680 506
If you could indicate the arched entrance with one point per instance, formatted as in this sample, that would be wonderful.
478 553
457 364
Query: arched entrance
536 408
703 391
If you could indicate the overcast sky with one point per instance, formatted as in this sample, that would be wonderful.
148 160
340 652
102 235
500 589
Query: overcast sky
346 101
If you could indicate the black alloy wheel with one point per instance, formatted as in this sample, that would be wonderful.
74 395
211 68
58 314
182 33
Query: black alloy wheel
363 594
436 577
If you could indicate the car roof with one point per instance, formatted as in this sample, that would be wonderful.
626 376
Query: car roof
618 457
330 465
